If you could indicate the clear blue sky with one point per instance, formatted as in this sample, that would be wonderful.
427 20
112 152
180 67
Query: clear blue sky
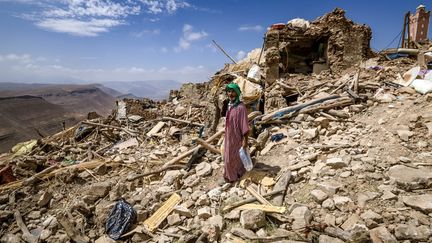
107 40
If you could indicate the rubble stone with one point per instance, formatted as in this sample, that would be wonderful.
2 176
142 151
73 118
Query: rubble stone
173 219
318 195
369 214
408 178
411 232
336 163
234 214
310 133
98 190
212 232
203 169
216 220
328 204
215 193
419 202
246 233
204 213
330 187
180 110
252 219
302 217
350 222
364 197
104 239
381 235
405 135
170 176
328 239
183 211
341 202
10 238
44 199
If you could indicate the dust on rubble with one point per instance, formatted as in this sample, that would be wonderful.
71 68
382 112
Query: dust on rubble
341 149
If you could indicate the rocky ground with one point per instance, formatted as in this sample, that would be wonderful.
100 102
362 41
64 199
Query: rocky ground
357 173
340 156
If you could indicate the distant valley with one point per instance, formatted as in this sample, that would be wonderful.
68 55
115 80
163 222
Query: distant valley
28 111
153 89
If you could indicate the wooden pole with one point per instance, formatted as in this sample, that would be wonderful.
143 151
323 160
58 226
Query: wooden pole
132 133
182 121
27 236
249 200
207 146
262 49
404 31
226 54
408 23
189 152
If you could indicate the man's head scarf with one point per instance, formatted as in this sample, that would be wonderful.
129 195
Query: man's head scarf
236 89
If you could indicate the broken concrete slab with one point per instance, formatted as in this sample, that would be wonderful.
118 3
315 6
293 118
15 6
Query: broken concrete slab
419 202
408 178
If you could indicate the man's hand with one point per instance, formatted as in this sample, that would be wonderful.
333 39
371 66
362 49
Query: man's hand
245 143
245 140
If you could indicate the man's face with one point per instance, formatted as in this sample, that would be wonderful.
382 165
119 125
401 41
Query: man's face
232 95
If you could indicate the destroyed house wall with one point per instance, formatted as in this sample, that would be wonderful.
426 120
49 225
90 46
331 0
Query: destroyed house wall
332 41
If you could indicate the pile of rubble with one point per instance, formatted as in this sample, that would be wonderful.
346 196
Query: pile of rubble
340 156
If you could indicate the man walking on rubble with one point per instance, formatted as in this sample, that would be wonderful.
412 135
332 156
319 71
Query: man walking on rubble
236 134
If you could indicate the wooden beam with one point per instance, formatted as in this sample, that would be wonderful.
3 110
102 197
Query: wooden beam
224 52
155 129
182 121
207 146
249 200
281 184
39 175
173 167
265 208
189 152
285 86
286 110
130 132
27 236
260 198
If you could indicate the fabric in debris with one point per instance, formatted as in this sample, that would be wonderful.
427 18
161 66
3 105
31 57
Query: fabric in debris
122 216
277 137
235 129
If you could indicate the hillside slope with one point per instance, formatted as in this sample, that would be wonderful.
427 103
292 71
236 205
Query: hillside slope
27 107
22 117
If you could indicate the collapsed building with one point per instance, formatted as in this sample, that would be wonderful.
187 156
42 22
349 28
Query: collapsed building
323 172
330 42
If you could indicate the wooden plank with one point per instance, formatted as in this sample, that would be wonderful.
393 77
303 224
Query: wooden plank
265 208
79 167
128 131
27 236
299 165
189 152
182 121
156 219
36 177
281 184
260 198
156 129
286 110
249 200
